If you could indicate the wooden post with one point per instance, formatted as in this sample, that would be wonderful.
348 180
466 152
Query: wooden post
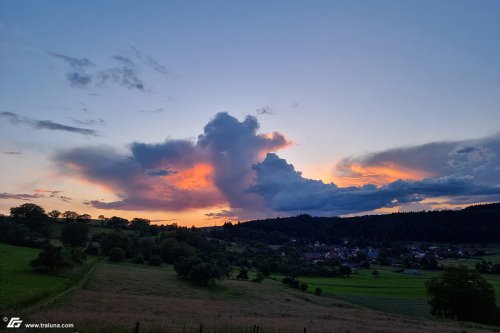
201 328
305 330
254 328
136 327
257 330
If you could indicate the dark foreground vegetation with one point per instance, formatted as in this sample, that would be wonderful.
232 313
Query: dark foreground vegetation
293 250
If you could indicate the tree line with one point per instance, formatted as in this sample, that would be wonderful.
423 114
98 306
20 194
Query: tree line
474 224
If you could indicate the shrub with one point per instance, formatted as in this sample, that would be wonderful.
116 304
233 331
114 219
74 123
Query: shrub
51 260
243 274
78 256
259 278
138 259
318 291
303 286
92 250
155 260
116 254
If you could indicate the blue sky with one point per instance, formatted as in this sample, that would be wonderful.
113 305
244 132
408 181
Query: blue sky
341 81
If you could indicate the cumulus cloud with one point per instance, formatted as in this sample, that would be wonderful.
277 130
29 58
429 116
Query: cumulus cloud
232 165
178 174
44 124
284 189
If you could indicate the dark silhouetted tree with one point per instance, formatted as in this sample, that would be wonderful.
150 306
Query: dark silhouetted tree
69 216
54 214
32 216
117 222
463 294
74 234
84 218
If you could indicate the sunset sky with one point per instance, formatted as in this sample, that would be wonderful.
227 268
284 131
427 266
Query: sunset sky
198 112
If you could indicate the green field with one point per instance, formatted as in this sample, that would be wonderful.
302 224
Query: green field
389 292
21 287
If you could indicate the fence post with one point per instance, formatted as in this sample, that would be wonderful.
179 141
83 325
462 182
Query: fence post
254 327
201 328
136 330
305 330
257 330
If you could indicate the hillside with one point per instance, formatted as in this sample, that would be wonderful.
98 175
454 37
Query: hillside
474 224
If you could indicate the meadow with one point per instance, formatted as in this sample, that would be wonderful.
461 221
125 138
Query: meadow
119 295
21 287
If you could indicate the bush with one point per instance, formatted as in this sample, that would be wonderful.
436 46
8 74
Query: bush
78 256
138 259
51 260
291 281
303 286
155 260
116 254
318 291
243 275
92 250
259 278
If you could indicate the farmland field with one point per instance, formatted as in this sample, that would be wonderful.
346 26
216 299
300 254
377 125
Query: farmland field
121 294
20 286
389 291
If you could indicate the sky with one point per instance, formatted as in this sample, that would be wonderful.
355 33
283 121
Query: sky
200 112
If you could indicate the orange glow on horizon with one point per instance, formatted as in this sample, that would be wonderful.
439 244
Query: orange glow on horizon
358 175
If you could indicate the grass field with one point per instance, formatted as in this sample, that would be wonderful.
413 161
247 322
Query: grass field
21 287
389 291
120 295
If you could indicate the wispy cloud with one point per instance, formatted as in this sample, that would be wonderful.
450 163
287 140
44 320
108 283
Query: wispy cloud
149 61
88 122
154 111
20 196
45 124
84 73
264 110
12 152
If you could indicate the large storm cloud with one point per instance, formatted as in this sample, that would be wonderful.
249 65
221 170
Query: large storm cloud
232 169
179 174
